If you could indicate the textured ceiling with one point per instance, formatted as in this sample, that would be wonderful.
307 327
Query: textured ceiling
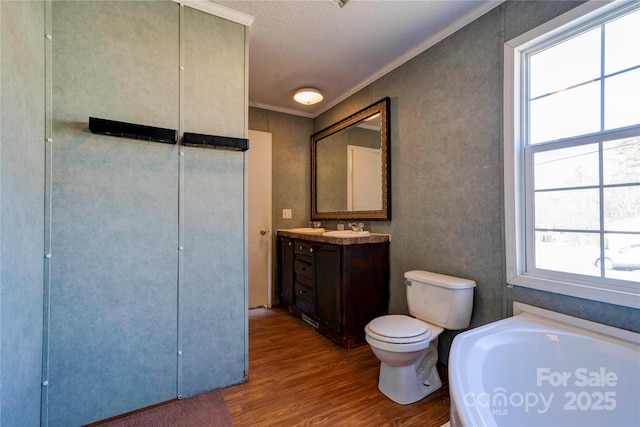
316 43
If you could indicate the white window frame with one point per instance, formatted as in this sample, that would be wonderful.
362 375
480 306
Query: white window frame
514 186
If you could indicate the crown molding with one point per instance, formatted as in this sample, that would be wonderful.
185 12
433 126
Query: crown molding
218 10
281 109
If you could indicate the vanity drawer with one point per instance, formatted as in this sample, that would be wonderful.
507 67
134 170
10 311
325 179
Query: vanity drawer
303 248
305 299
303 272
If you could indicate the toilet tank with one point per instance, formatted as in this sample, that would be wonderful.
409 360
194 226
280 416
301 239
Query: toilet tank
438 299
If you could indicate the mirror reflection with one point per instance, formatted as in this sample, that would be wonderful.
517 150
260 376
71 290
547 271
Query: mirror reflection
350 160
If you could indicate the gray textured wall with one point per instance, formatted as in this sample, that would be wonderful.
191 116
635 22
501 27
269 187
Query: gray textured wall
121 208
213 295
446 165
291 159
447 173
291 180
148 247
112 322
21 210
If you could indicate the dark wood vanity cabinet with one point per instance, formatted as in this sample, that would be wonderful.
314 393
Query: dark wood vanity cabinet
328 284
303 275
336 288
285 257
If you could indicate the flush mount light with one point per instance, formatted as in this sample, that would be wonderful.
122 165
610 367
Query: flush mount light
307 96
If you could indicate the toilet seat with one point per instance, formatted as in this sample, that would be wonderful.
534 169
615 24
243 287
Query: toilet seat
398 329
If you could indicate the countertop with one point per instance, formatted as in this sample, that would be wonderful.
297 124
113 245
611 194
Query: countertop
371 238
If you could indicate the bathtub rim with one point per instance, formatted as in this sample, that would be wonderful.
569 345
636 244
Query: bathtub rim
604 331
528 313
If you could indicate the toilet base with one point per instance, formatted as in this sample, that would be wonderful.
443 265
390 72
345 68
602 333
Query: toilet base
411 383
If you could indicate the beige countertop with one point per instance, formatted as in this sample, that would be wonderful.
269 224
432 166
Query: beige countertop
371 238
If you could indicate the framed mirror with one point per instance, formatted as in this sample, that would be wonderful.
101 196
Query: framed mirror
350 167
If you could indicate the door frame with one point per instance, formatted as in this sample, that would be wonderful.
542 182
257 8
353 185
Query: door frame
269 226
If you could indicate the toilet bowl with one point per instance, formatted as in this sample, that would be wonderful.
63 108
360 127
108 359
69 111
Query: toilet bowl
408 370
406 346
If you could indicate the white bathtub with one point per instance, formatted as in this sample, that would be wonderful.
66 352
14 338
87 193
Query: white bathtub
541 368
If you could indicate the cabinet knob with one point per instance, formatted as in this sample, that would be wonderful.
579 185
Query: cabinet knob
310 250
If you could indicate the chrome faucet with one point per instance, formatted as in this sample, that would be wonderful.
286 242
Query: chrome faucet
356 226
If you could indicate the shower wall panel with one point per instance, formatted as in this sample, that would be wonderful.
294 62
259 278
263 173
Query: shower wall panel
21 205
114 211
213 290
123 279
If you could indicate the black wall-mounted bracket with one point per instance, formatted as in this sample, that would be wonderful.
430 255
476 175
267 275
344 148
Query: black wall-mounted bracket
211 141
133 131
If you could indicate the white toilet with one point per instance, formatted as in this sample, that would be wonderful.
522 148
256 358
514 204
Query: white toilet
408 346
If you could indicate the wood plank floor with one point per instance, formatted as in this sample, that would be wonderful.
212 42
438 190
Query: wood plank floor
297 377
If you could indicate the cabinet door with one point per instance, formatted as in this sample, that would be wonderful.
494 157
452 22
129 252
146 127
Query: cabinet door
328 285
286 270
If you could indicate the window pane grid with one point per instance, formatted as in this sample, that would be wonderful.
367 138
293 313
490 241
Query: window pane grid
587 187
582 158
585 106
566 158
603 76
562 240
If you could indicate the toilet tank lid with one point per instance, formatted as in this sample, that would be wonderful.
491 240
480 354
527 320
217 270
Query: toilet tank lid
438 279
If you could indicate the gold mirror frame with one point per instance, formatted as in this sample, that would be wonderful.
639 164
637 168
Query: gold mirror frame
381 107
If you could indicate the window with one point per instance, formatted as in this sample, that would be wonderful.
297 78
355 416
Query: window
572 154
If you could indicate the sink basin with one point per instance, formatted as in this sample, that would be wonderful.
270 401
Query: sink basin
345 233
307 230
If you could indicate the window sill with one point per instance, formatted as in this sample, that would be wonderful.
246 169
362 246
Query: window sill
613 295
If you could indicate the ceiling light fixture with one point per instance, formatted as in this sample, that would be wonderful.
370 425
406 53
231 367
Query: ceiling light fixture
308 96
